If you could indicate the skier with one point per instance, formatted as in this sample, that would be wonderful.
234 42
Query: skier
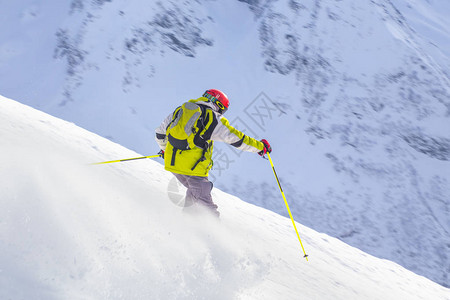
186 140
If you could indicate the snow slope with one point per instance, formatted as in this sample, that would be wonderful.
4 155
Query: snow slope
69 230
430 20
357 98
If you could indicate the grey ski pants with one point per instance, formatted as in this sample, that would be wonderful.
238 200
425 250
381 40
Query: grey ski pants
198 192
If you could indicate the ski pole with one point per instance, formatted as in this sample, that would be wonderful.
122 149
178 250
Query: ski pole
126 159
287 206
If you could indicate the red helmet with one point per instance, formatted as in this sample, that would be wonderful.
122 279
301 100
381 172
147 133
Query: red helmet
218 98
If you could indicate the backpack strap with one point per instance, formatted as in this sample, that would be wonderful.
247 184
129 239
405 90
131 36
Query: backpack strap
208 123
202 158
174 153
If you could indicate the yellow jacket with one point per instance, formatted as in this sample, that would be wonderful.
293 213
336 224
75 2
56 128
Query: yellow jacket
188 162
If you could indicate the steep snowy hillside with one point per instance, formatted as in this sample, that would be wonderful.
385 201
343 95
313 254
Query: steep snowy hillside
352 94
430 20
69 230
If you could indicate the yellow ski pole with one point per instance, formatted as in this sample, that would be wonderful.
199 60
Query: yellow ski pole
126 159
287 206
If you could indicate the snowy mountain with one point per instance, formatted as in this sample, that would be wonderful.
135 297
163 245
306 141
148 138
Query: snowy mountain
71 230
353 95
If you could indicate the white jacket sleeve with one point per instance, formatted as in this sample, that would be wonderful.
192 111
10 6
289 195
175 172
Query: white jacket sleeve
161 132
224 132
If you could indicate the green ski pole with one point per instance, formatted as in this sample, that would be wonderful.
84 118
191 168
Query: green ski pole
287 206
126 159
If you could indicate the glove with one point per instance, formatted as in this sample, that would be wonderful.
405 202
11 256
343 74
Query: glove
161 153
267 148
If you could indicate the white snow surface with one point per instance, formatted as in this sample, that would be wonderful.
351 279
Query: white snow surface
70 230
357 95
